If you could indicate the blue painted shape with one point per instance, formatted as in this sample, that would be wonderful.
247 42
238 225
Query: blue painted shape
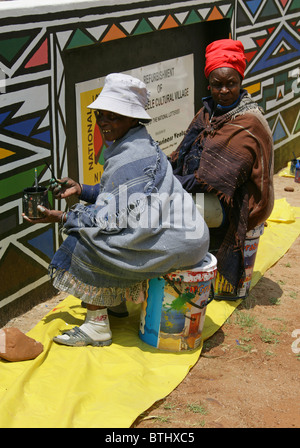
44 243
172 321
153 311
44 136
268 61
253 5
3 116
279 132
23 127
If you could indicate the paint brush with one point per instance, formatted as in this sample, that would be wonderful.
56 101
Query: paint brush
53 175
36 179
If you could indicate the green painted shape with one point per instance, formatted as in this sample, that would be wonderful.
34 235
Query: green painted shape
270 9
297 128
143 27
16 184
192 18
294 6
180 302
80 39
271 122
229 14
10 47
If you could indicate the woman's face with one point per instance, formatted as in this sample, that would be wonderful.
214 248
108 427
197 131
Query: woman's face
225 85
114 126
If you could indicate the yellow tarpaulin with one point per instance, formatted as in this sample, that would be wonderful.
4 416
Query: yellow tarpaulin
109 387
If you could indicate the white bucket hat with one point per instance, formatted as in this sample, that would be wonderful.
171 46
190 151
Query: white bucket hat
123 95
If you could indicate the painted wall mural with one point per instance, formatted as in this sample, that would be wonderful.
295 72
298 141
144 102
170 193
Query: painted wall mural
32 96
269 30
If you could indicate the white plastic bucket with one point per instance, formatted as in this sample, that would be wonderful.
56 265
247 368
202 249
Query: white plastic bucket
173 313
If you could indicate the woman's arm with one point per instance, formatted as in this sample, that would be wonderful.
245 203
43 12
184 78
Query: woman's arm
190 183
89 193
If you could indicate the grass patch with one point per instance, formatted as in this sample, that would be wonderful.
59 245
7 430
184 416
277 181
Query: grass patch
274 300
268 336
197 408
293 295
245 320
269 353
162 419
169 406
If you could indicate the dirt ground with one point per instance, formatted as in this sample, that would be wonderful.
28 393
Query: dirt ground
248 373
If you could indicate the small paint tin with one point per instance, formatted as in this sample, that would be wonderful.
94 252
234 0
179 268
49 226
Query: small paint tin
293 167
32 197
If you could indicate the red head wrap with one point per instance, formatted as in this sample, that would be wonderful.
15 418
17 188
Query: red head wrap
225 53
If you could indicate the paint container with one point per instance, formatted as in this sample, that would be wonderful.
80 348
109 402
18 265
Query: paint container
293 167
32 197
173 313
297 172
223 289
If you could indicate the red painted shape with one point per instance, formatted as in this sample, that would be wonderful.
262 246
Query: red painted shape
40 57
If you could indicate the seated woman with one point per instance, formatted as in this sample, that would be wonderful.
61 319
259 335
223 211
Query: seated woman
227 153
131 230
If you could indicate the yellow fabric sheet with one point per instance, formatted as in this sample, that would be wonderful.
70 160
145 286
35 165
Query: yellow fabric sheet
109 387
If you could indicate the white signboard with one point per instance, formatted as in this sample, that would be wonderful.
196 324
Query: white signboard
171 107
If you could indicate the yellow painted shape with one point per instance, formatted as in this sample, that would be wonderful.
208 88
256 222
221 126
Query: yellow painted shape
253 88
5 153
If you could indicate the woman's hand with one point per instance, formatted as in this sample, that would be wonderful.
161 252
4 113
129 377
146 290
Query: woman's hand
49 216
64 188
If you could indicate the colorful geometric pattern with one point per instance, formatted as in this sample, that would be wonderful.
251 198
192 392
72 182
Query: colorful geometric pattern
32 89
273 52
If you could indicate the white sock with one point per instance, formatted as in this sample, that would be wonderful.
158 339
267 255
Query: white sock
96 326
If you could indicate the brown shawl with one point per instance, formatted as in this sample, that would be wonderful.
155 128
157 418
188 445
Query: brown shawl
236 163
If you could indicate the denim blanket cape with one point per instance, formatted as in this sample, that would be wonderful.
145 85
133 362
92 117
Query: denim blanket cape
142 225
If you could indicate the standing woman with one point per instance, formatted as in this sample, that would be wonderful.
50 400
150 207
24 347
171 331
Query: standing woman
227 153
